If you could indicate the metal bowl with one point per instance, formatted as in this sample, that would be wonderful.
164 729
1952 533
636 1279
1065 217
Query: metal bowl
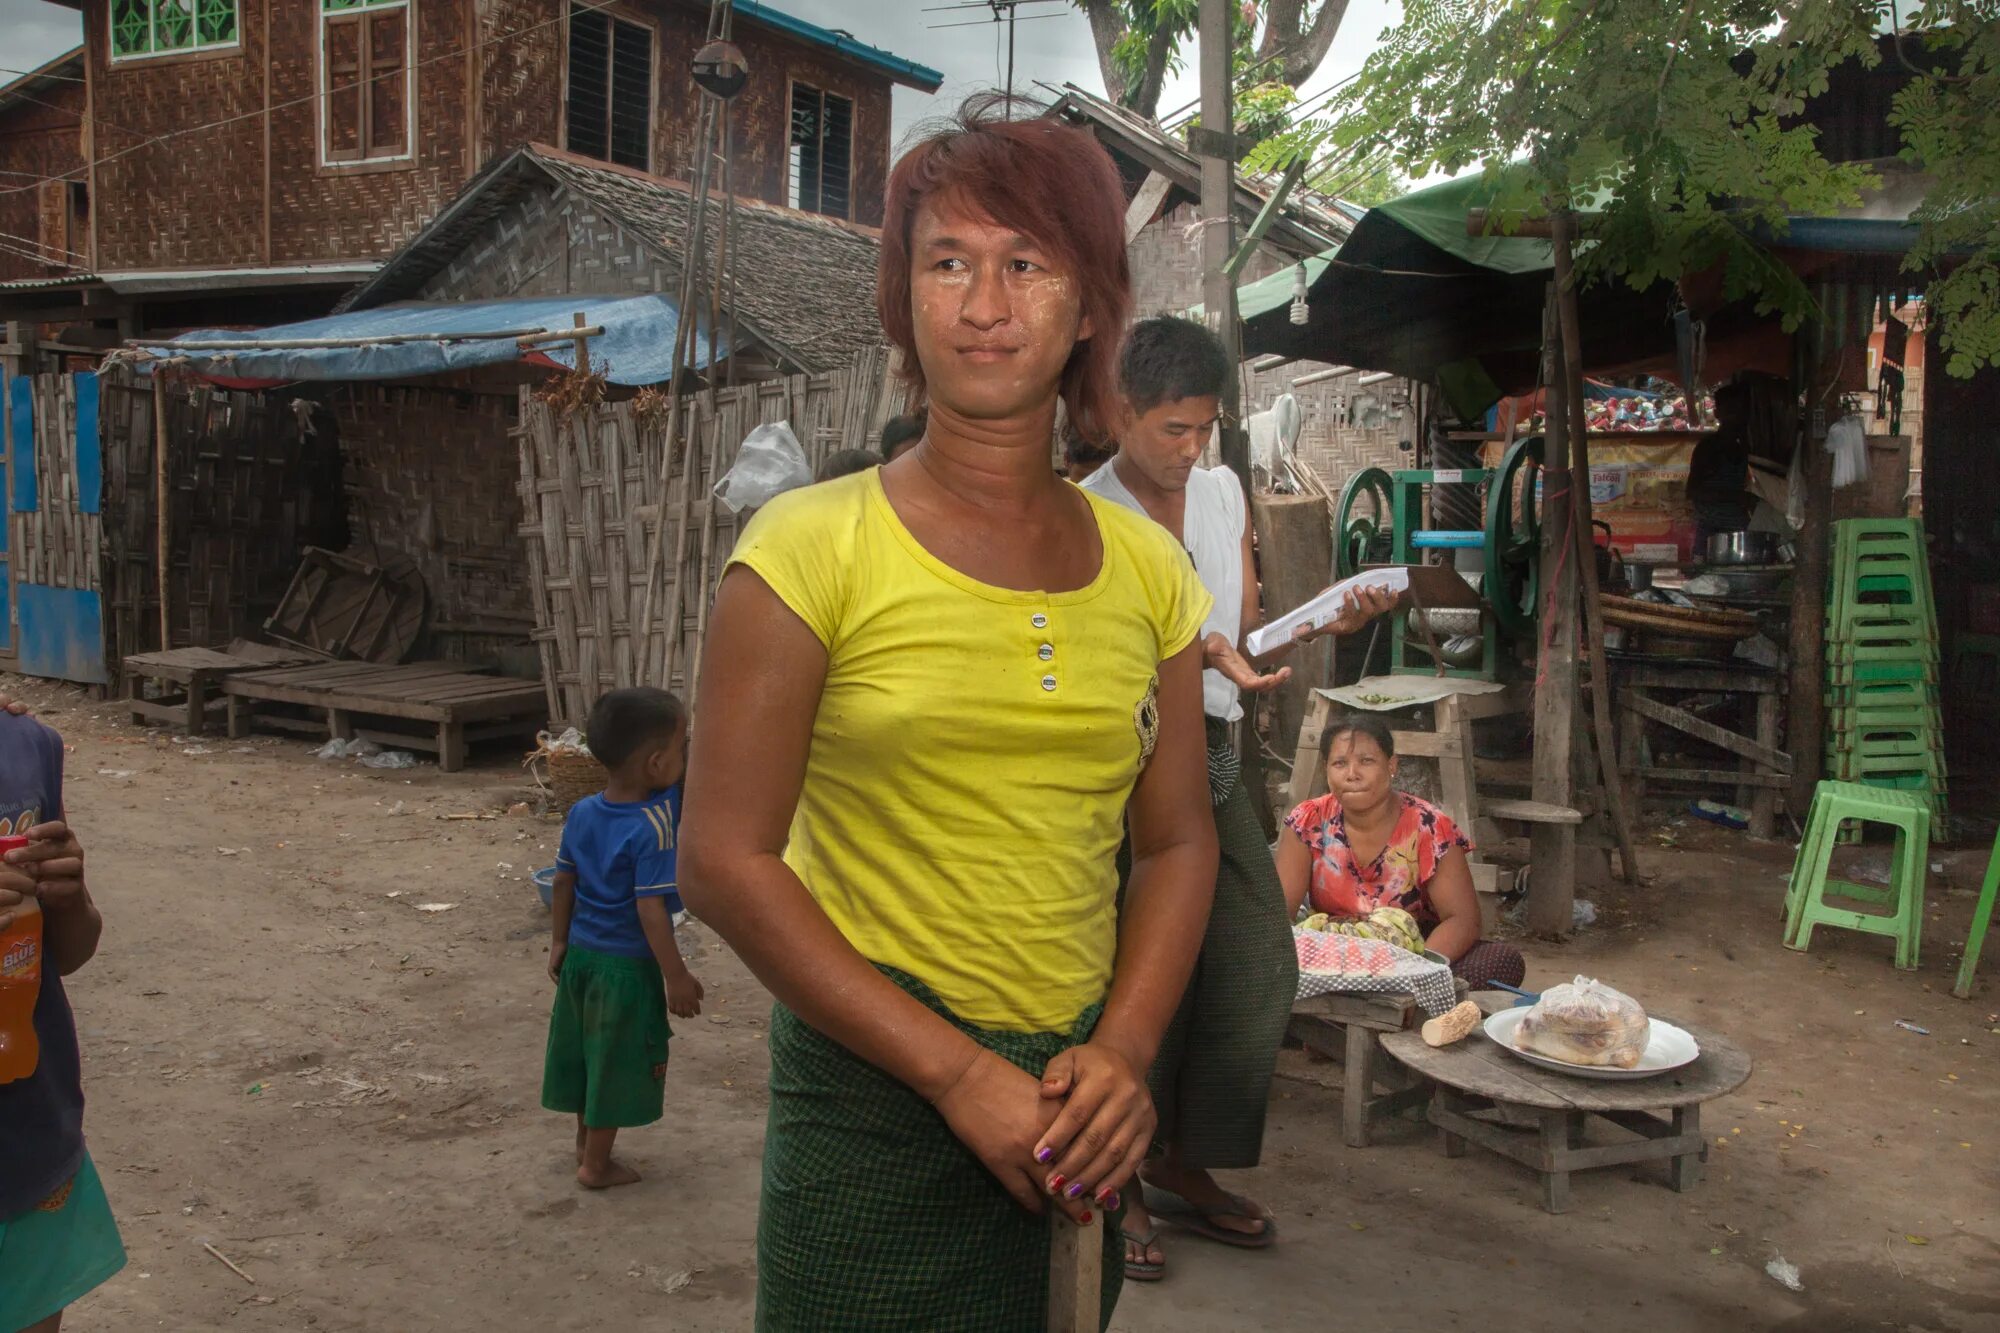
1742 548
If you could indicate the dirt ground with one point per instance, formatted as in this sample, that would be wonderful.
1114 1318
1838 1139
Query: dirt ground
288 1058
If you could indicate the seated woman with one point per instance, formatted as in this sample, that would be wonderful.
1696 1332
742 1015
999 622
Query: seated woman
1365 852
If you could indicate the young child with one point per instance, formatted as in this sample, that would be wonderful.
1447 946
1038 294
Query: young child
57 1236
612 953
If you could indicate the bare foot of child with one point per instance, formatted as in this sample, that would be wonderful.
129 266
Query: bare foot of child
581 1134
613 1172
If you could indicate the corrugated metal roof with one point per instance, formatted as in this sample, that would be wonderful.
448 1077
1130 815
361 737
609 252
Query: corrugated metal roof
906 72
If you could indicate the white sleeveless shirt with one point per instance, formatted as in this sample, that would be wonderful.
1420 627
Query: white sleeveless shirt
1212 532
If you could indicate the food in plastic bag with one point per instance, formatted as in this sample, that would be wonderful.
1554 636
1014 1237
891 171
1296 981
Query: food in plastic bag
1585 1022
769 464
1392 925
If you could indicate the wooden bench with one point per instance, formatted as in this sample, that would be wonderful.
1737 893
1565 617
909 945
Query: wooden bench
198 672
1349 1029
350 700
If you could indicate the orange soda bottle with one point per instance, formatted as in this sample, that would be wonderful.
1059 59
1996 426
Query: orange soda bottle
20 985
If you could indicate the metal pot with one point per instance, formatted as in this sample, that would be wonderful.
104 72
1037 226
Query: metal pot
1638 577
1742 548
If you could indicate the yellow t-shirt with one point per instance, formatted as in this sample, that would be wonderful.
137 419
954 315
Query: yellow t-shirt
974 747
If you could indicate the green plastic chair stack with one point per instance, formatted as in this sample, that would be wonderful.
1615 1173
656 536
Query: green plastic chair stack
1884 723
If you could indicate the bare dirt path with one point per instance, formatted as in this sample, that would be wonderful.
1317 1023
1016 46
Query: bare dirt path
287 1058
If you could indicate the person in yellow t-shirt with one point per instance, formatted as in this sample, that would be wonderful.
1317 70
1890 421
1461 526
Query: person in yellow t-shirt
932 693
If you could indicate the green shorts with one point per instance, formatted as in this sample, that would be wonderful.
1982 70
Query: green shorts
608 1032
52 1255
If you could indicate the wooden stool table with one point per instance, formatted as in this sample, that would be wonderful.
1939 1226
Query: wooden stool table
198 671
1349 1028
1664 1111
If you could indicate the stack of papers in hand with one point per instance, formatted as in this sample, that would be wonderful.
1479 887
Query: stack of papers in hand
1325 607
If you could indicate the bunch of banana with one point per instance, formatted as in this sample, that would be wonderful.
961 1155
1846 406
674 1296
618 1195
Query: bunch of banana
1391 925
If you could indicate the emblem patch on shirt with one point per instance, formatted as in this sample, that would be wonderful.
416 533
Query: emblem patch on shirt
1146 719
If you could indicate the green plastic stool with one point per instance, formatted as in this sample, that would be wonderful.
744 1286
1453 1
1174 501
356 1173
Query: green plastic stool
1805 907
1982 915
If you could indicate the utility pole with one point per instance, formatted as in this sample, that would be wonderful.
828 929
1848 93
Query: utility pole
1214 142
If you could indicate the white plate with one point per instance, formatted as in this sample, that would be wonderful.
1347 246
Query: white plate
1667 1047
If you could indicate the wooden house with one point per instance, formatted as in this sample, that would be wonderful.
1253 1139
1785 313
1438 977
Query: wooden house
263 159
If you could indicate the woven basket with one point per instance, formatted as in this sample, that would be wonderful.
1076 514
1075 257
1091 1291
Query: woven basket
1679 622
573 777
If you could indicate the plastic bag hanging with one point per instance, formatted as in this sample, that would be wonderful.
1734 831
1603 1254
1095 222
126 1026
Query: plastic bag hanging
769 464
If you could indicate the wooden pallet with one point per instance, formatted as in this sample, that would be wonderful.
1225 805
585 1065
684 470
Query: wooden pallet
349 700
198 672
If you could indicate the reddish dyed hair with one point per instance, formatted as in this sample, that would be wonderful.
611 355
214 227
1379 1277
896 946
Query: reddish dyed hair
1048 181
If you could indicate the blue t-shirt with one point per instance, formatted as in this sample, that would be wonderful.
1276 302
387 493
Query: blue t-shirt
41 1116
620 852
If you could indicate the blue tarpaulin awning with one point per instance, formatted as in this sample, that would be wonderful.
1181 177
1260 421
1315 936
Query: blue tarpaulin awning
636 347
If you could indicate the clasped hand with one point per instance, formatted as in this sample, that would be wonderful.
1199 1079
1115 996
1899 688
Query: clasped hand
1075 1136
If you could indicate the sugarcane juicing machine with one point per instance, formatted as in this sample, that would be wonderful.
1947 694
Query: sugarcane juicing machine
1380 521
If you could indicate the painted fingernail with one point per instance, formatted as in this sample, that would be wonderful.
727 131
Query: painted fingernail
1084 1221
1111 1204
1056 1183
1045 1156
1076 1191
1109 1198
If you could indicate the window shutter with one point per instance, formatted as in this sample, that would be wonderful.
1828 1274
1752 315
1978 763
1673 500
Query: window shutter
589 82
836 149
388 118
631 95
344 92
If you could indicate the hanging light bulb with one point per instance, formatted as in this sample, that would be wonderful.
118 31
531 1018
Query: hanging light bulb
1299 315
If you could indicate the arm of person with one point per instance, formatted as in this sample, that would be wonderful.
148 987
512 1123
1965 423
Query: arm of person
762 675
1294 869
684 992
562 906
1106 1125
50 870
1456 904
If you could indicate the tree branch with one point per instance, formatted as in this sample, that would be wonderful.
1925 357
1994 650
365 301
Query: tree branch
1107 26
1298 46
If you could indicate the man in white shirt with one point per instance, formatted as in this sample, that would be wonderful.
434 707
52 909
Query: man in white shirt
1211 1081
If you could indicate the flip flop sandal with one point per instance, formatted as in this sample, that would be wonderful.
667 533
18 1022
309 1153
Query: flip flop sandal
1202 1220
1143 1270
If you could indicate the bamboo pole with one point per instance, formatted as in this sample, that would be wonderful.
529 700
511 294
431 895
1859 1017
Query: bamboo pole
1552 847
683 337
1586 555
160 534
523 337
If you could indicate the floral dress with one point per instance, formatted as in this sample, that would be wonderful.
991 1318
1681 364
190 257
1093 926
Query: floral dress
1399 876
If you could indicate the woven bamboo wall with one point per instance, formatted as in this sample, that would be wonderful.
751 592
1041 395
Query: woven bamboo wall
38 139
253 478
191 202
56 544
533 248
595 500
322 213
488 77
515 106
432 475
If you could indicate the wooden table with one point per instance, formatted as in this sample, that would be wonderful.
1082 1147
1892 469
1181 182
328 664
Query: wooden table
450 707
198 672
1762 771
1664 1112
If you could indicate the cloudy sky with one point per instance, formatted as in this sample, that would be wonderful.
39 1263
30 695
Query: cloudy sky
1053 47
